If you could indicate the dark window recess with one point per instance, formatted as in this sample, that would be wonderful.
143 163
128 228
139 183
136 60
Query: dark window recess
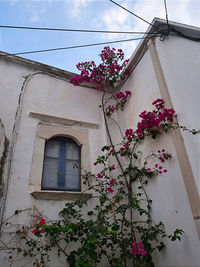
61 169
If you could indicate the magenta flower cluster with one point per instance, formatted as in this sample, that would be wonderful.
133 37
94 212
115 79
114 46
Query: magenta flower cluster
106 73
120 99
153 122
39 227
102 174
138 249
162 155
112 182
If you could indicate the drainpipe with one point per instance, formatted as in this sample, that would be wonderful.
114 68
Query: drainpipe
11 150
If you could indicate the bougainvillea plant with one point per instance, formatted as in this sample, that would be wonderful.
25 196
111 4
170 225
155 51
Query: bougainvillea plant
107 73
115 226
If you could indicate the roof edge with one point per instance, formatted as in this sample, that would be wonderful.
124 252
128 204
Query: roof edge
37 65
184 29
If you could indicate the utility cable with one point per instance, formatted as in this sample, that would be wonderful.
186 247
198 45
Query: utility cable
135 15
166 14
78 46
66 30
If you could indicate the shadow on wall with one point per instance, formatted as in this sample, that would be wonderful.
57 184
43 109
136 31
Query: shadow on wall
3 154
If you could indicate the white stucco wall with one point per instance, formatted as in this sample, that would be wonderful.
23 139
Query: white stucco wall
47 96
170 200
180 60
12 76
44 95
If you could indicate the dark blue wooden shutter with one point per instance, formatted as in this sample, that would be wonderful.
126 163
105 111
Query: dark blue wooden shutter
61 170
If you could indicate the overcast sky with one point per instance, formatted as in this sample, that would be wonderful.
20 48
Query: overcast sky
82 14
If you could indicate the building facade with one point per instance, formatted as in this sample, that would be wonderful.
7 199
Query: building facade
41 113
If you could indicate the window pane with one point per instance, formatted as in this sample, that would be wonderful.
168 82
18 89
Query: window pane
72 151
52 149
50 174
72 178
61 169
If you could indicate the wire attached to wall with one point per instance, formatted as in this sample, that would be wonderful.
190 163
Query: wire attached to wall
166 13
78 46
67 30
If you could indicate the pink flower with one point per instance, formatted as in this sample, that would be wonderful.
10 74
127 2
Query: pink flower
34 231
156 165
109 189
112 182
113 167
112 150
160 172
163 150
161 159
133 250
148 169
120 95
42 231
159 100
165 171
94 163
138 249
141 245
128 132
160 167
42 222
144 252
99 175
128 93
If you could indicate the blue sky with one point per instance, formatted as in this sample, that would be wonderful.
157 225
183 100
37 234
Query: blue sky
82 14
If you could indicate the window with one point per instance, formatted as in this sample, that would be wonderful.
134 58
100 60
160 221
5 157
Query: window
58 151
61 169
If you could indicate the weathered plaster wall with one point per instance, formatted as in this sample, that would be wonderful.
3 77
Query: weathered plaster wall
57 103
170 200
180 60
12 76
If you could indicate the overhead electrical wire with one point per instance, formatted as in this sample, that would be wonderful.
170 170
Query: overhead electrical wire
134 14
66 30
163 32
78 46
166 12
165 3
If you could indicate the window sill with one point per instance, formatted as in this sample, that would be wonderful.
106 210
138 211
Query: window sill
60 195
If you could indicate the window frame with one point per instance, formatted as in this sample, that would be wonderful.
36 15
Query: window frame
62 161
45 132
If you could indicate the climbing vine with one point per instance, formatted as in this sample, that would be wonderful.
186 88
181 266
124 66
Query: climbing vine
115 227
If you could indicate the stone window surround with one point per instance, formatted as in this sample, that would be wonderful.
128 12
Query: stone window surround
45 132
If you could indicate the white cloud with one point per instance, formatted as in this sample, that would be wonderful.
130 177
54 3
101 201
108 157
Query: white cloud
35 18
35 11
179 11
115 18
77 6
